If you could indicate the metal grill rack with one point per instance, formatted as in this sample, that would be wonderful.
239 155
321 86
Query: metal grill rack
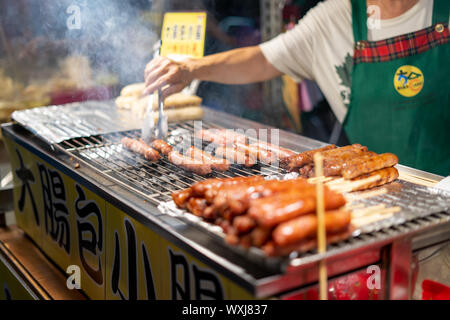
421 207
154 181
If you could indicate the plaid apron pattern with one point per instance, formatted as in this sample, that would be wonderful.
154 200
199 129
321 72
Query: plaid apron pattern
402 46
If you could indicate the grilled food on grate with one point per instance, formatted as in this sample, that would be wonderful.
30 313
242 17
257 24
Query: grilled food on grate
353 162
233 145
268 214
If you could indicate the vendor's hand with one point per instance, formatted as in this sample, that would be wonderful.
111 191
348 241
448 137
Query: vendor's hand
169 76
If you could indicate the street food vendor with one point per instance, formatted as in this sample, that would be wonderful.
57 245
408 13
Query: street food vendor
382 65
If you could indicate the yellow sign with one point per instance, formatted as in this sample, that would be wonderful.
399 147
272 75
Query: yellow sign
183 34
65 219
408 81
118 257
11 287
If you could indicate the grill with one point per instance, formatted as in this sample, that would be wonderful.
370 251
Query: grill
422 207
154 181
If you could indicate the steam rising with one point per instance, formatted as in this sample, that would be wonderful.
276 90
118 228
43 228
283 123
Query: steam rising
114 37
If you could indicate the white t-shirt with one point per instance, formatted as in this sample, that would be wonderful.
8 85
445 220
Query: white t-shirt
320 47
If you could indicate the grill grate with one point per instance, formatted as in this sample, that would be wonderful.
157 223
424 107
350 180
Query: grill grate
421 207
155 181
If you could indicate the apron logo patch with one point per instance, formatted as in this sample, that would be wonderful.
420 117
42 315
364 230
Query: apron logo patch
408 81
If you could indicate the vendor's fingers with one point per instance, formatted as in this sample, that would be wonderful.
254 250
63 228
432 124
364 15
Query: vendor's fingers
157 72
173 89
159 83
155 63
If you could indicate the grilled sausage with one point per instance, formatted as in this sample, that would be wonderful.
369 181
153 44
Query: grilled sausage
189 164
281 207
387 175
271 249
260 236
263 155
196 206
359 167
305 227
237 198
277 151
244 224
338 151
307 171
333 166
162 147
216 163
181 197
304 158
220 136
236 156
208 188
141 148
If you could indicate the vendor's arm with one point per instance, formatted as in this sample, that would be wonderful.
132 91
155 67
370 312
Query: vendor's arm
239 66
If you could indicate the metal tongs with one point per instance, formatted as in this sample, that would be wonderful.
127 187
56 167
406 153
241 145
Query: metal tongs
149 131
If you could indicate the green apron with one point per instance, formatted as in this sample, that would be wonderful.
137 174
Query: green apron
400 92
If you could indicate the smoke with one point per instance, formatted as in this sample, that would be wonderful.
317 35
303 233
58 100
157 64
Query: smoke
111 33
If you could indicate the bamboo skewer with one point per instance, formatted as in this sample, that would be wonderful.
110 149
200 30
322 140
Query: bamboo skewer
367 211
366 195
321 232
416 179
349 186
375 216
321 179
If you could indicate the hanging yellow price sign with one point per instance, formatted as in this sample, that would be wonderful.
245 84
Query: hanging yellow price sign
183 34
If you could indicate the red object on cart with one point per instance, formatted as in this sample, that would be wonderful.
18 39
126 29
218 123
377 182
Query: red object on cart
432 290
350 287
96 93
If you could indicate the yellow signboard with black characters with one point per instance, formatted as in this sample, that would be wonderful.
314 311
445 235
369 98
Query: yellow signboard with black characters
117 256
64 218
183 34
133 264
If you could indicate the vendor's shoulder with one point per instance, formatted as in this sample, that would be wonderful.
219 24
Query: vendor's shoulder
333 7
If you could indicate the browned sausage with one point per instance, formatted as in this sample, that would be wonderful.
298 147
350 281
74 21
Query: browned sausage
220 136
244 224
305 227
359 167
281 207
277 151
208 188
237 198
196 206
307 171
141 148
387 175
216 163
236 156
162 147
189 164
260 236
304 158
263 155
271 249
350 148
181 197
333 166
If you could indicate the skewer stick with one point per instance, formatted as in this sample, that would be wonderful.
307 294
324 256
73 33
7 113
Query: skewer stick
367 211
321 234
321 179
375 216
350 186
416 179
366 195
